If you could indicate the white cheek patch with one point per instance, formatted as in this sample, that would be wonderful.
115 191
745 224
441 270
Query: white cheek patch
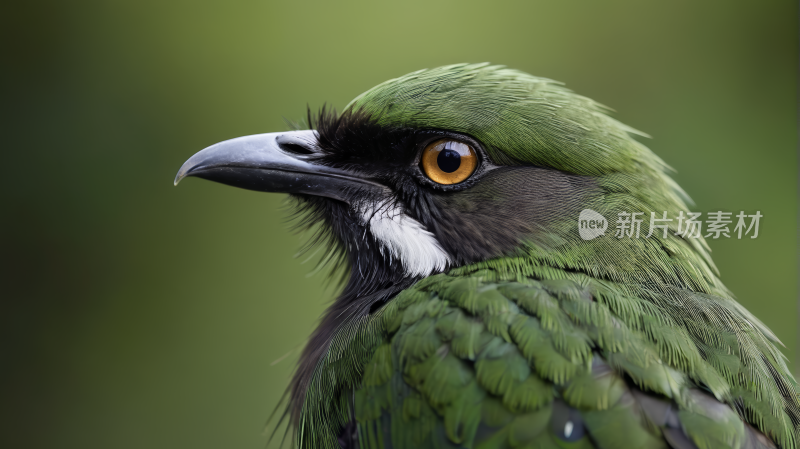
405 239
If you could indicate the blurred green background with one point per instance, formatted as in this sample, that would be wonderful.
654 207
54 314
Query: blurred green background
139 315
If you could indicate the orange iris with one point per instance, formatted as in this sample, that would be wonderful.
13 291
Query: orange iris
449 161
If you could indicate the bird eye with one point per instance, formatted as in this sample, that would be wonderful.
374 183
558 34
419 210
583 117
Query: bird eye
449 161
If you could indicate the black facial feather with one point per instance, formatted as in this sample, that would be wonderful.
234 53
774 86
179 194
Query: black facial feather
349 141
475 221
481 218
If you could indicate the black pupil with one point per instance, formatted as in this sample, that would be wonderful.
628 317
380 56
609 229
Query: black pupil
448 160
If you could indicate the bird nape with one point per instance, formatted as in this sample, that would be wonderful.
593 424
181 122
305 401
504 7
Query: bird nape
474 314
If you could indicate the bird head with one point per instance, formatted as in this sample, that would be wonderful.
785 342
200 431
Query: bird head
469 164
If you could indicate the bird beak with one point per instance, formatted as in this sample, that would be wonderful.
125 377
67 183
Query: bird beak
275 162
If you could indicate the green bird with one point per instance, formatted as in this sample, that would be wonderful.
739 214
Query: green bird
487 303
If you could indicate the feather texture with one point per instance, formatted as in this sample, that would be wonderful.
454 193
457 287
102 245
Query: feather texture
569 361
549 340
